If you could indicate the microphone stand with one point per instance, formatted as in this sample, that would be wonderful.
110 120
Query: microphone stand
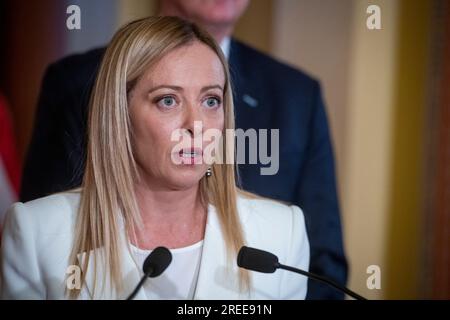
321 279
141 283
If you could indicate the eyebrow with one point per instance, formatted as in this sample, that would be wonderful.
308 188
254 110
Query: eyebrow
177 88
211 87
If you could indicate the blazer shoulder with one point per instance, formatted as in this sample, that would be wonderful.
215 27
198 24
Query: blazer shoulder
80 61
252 58
280 229
271 214
74 71
54 213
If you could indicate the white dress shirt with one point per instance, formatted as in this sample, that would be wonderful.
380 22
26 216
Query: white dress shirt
225 46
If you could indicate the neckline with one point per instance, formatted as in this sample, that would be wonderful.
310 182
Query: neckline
172 250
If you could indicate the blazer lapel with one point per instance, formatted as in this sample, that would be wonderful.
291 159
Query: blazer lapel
217 279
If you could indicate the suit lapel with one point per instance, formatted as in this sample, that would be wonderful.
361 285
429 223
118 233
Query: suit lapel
252 103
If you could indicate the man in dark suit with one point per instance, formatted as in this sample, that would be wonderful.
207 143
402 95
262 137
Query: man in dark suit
267 94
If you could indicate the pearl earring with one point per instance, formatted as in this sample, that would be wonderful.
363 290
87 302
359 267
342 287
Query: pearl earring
209 172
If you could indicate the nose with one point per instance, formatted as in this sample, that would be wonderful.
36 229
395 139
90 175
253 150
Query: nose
193 120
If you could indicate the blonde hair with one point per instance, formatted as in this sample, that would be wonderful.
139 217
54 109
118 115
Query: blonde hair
108 203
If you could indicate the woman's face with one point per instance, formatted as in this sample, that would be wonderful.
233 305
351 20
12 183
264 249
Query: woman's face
184 87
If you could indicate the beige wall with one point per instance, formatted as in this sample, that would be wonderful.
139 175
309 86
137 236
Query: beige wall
129 10
255 26
406 215
366 183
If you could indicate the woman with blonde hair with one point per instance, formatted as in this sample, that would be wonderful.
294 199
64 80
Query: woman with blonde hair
141 189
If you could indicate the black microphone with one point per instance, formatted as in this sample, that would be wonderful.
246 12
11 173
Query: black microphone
266 262
156 262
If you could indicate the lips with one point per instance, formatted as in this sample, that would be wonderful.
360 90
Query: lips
191 152
191 155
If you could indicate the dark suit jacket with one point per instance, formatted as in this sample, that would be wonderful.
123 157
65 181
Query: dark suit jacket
267 94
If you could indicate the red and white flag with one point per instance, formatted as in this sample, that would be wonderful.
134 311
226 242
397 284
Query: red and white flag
9 162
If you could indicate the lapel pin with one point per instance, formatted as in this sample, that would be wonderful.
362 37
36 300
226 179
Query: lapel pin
252 102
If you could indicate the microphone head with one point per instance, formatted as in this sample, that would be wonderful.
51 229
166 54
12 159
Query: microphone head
257 260
157 261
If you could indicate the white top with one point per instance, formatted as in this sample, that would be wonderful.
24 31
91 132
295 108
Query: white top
179 280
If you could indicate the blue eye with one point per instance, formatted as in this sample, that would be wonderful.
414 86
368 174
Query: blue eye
166 102
212 102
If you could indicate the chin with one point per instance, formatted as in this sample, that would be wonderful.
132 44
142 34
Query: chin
185 179
221 18
222 13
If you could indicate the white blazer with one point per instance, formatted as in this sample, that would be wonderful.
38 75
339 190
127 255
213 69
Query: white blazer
38 235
